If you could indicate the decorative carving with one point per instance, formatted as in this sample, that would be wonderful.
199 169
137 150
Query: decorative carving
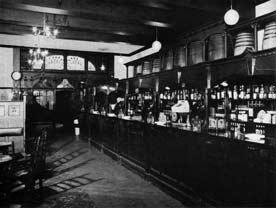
91 66
55 62
75 63
65 84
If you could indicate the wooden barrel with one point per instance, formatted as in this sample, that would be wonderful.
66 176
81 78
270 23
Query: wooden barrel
195 54
146 67
138 69
156 65
169 60
216 47
180 56
243 40
269 40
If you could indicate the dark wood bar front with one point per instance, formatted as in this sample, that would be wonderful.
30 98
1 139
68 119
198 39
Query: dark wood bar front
222 171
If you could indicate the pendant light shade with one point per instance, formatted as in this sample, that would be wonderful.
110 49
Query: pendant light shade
156 45
231 17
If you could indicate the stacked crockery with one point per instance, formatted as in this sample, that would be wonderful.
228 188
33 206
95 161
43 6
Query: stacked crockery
269 40
244 40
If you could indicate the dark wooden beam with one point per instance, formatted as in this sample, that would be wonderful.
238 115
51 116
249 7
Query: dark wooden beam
36 19
14 28
89 9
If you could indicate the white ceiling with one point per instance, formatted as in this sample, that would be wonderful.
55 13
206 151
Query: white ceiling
65 44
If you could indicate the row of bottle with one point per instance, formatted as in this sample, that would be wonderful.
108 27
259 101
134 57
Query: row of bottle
236 129
182 94
139 96
241 92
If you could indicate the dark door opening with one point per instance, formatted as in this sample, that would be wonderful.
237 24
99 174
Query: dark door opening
65 108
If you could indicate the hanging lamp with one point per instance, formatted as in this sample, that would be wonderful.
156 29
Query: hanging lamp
156 45
102 67
231 17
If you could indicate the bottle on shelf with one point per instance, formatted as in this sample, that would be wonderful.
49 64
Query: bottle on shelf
235 93
273 92
241 93
262 92
248 93
222 93
256 93
270 93
213 94
192 94
230 94
266 92
218 94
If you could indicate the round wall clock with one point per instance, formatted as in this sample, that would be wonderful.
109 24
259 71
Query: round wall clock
16 75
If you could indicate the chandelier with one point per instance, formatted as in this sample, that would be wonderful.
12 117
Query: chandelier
46 31
37 54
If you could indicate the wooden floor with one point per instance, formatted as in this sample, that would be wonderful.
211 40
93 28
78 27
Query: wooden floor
75 167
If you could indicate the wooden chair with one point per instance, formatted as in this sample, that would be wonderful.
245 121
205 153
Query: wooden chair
7 148
31 168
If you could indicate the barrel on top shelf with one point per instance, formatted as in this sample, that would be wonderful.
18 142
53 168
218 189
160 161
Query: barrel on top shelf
243 41
138 69
216 47
156 64
195 52
169 59
146 67
269 40
180 58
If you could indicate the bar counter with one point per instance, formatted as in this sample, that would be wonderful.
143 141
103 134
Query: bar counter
219 170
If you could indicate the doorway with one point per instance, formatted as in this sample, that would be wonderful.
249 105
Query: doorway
65 108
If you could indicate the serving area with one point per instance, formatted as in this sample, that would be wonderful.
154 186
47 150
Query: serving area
126 103
199 164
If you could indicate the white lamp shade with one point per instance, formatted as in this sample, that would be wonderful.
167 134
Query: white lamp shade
102 67
231 17
156 45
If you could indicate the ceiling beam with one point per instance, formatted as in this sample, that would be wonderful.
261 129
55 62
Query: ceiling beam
15 28
89 9
36 19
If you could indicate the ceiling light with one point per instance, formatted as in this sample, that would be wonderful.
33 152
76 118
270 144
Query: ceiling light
121 33
224 84
231 17
156 45
46 30
158 24
102 67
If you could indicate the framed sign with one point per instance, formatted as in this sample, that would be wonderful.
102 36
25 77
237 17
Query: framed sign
14 110
2 110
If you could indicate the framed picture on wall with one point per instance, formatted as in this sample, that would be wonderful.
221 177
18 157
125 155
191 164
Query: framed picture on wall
14 110
2 110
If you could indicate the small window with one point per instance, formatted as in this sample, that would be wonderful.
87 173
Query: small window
54 62
91 66
75 63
